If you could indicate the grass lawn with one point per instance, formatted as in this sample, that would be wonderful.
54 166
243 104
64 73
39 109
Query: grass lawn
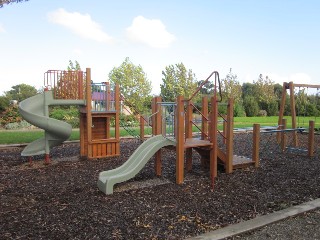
26 136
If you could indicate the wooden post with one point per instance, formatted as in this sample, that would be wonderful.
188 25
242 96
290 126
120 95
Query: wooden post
204 122
224 129
293 114
117 117
88 112
282 106
156 129
180 140
188 133
229 138
311 139
283 135
213 138
141 128
256 144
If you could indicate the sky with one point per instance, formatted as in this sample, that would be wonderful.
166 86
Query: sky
279 39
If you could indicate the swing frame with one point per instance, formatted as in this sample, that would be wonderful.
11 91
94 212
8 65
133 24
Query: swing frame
291 86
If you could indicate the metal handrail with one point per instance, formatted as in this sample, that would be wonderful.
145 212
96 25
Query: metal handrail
216 78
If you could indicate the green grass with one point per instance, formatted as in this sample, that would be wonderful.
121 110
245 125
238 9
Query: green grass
15 137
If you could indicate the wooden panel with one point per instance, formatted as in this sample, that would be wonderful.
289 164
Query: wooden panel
104 149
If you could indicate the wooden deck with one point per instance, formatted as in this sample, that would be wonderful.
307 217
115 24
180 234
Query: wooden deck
194 142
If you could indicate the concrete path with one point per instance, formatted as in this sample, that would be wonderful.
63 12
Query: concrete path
259 222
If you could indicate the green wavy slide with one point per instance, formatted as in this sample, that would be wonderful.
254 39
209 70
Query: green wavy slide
134 164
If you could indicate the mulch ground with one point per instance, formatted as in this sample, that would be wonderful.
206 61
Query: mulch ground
62 201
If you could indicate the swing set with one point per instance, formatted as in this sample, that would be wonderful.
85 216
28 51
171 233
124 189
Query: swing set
294 128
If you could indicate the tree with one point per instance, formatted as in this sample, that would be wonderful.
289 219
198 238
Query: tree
247 90
231 87
134 85
74 66
177 81
207 89
264 89
2 2
21 92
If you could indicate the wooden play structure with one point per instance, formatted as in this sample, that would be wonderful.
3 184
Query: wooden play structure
295 129
99 113
172 126
207 144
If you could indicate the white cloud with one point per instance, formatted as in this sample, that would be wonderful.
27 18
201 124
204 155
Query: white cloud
77 52
149 31
276 77
80 24
2 30
301 78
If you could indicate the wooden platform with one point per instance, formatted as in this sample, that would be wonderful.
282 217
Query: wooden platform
194 142
238 161
241 162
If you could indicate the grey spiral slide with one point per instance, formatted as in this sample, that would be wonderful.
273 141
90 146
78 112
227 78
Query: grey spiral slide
35 110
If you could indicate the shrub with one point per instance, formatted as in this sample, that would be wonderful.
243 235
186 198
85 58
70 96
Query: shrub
262 113
67 114
272 108
10 115
17 125
239 110
251 106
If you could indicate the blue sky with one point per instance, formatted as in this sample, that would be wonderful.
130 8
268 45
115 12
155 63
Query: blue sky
280 39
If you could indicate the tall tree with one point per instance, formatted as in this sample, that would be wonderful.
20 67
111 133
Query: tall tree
134 84
265 94
264 89
247 90
21 92
231 87
177 80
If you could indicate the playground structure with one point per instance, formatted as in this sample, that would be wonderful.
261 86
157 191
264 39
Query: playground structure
172 125
294 129
99 114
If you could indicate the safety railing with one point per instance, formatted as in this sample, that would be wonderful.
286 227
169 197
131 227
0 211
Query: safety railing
102 97
66 84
